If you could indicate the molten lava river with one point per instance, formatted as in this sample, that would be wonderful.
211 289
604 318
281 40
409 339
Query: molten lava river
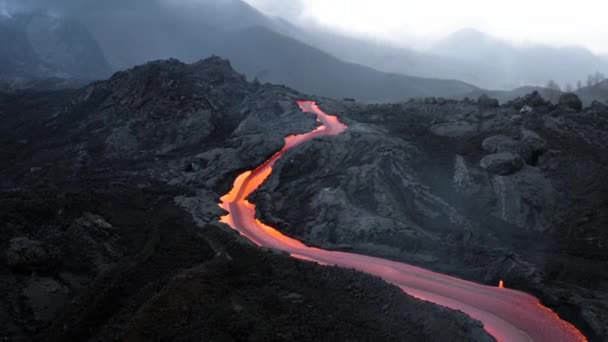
506 314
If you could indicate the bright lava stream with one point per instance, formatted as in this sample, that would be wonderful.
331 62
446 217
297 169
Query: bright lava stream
506 314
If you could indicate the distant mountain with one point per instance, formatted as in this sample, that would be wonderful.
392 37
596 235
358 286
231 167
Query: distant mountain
161 30
235 30
269 56
501 65
598 92
38 46
504 96
381 56
467 55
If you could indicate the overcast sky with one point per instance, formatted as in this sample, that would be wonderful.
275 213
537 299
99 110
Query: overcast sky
554 22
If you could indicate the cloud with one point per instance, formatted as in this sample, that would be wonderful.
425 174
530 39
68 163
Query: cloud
290 9
70 6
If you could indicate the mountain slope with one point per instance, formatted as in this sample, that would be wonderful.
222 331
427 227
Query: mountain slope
269 56
598 92
382 56
37 45
466 55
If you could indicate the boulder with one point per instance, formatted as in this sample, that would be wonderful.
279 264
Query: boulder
28 255
531 146
505 163
499 143
45 297
571 101
598 107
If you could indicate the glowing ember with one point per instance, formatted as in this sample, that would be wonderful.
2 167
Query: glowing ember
501 284
507 315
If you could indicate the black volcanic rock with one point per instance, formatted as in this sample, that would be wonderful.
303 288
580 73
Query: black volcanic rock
122 179
571 101
504 163
499 143
486 101
26 254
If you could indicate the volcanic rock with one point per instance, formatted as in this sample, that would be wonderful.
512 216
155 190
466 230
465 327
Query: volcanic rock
571 101
504 163
453 130
499 143
486 101
531 146
29 255
599 107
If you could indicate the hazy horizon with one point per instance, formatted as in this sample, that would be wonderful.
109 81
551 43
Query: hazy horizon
415 24
420 23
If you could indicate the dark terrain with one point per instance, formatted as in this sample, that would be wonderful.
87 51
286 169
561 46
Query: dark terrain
109 218
109 209
466 188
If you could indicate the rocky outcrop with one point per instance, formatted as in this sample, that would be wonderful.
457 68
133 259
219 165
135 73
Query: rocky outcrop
531 146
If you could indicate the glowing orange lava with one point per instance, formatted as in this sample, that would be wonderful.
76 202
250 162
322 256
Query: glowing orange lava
507 315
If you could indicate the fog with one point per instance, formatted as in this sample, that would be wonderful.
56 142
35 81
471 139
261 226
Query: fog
541 21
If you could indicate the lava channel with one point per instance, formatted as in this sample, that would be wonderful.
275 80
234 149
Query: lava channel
506 314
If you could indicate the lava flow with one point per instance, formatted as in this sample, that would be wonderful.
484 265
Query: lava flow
506 314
